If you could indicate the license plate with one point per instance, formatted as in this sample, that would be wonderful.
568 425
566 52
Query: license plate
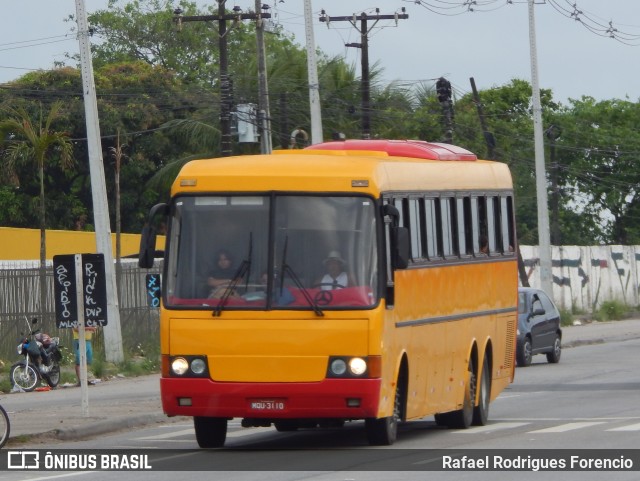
267 405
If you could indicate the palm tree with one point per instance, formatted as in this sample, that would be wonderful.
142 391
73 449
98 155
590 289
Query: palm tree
34 143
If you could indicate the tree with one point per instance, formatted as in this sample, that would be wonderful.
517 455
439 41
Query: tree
144 31
160 86
508 113
36 144
135 98
599 146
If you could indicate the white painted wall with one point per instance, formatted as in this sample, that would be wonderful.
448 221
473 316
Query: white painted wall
586 276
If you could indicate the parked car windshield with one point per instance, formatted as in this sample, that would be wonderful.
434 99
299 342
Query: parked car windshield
522 301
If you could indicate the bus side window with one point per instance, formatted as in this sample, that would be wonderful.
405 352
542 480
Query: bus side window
433 230
416 228
506 205
500 245
465 238
474 230
483 226
447 226
491 224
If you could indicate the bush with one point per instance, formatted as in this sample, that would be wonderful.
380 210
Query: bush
611 311
566 317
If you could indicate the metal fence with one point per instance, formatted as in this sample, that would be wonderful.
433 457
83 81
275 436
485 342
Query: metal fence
20 300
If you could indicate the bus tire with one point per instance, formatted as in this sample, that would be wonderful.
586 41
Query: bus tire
210 432
384 431
462 418
443 419
286 425
481 411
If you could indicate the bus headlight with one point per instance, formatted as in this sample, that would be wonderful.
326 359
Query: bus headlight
352 367
179 366
338 367
357 366
188 366
198 366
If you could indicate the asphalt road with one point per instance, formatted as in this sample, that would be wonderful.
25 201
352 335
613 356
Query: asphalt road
122 403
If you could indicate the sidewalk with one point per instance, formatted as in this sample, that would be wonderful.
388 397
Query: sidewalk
123 403
598 332
118 403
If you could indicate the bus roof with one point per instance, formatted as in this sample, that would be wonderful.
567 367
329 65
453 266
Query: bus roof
355 166
417 149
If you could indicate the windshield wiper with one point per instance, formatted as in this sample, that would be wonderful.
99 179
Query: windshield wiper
285 268
243 269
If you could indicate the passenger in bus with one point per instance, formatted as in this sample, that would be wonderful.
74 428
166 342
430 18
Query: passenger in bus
484 244
222 272
336 276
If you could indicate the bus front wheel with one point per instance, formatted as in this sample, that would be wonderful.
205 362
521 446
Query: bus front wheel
384 431
210 432
462 418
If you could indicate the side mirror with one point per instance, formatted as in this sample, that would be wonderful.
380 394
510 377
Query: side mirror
147 247
400 243
400 247
148 238
539 312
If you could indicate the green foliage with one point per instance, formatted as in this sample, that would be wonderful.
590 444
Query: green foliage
611 311
160 88
12 210
599 146
98 367
566 317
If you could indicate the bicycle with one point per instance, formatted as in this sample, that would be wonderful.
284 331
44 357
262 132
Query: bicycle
5 427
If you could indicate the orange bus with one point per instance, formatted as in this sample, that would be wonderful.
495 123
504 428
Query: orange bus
417 316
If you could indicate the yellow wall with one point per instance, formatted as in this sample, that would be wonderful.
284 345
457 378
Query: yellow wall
24 244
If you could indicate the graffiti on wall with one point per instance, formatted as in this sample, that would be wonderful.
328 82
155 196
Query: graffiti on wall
586 276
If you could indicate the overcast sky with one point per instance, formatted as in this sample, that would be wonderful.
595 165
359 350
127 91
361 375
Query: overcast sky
492 46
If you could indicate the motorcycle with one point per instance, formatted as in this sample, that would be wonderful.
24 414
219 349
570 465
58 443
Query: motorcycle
41 360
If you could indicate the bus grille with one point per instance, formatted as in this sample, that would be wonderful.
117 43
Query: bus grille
509 355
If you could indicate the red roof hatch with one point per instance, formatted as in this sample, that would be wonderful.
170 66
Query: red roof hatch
418 149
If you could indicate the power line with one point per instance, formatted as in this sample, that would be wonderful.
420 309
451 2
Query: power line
569 9
360 23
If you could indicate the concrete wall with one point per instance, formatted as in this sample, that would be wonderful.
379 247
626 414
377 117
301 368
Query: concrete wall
586 276
583 276
24 244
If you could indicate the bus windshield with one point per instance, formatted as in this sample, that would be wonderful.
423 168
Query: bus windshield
272 251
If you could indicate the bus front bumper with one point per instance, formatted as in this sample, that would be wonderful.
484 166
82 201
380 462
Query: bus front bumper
330 398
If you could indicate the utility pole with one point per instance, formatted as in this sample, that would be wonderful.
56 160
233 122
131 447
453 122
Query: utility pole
544 245
263 102
112 333
225 85
489 139
364 45
553 133
443 90
312 74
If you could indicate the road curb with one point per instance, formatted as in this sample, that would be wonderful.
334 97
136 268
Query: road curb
579 342
107 426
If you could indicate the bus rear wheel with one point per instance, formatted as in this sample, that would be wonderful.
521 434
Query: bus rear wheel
210 432
481 411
